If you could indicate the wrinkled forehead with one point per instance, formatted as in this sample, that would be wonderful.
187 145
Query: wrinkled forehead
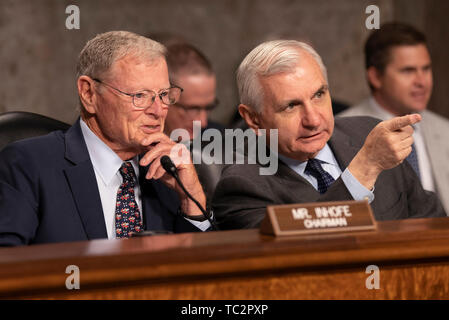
135 65
305 77
303 64
134 74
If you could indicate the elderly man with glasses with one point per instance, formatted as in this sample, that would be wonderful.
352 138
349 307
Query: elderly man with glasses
103 177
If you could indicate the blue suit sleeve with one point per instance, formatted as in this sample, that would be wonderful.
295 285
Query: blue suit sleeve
18 207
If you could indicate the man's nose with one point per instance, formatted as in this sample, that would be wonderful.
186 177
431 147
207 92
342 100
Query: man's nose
310 116
422 77
157 108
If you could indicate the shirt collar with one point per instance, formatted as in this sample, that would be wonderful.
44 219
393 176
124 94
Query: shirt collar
384 114
104 160
325 155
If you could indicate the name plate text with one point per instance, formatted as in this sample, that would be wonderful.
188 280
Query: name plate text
318 217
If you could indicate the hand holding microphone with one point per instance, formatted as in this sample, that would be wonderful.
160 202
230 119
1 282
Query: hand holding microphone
171 169
179 175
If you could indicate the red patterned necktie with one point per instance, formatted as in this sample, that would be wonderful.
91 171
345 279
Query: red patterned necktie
127 213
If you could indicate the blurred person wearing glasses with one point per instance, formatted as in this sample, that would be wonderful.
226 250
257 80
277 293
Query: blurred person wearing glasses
190 69
102 178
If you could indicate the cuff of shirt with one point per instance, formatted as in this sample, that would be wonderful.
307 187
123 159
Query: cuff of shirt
202 225
355 188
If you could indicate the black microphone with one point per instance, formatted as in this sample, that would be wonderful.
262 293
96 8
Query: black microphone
169 166
171 169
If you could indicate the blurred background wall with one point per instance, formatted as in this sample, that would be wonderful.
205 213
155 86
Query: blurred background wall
38 54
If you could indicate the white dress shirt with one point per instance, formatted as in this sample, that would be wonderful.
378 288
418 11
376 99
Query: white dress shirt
330 164
106 165
425 168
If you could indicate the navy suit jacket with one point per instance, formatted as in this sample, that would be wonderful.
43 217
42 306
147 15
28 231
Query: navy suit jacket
49 193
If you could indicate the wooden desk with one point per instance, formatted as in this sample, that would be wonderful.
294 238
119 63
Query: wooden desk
413 257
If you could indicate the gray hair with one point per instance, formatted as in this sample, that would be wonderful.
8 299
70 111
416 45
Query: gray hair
270 58
100 53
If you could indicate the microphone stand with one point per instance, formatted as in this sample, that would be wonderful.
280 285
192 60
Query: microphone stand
171 169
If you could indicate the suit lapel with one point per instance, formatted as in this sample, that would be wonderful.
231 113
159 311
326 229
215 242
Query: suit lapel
286 173
148 201
82 181
435 140
343 147
156 198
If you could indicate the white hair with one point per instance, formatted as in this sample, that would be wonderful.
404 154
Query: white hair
270 58
100 53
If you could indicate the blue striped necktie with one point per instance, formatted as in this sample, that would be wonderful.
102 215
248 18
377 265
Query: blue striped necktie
315 169
413 160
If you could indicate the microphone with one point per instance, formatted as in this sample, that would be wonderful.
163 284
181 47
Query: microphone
171 169
169 166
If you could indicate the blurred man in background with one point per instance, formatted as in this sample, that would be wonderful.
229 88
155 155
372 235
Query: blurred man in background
191 70
399 73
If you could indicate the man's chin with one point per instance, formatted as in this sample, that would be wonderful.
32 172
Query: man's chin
415 107
304 153
313 149
419 108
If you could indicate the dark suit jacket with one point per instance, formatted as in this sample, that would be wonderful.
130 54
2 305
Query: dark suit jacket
242 195
49 193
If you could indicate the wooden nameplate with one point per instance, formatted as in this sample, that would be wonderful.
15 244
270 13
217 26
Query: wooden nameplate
318 217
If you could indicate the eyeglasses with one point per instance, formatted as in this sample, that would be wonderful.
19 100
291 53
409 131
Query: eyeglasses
145 99
196 110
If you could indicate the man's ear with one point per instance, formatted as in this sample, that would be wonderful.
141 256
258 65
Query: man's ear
86 92
250 116
374 77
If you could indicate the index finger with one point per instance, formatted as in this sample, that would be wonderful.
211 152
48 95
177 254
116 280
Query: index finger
400 122
154 138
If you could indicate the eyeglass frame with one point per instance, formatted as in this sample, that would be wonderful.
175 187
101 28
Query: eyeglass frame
132 95
197 109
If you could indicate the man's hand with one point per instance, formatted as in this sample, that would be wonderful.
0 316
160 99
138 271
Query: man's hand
159 145
386 146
